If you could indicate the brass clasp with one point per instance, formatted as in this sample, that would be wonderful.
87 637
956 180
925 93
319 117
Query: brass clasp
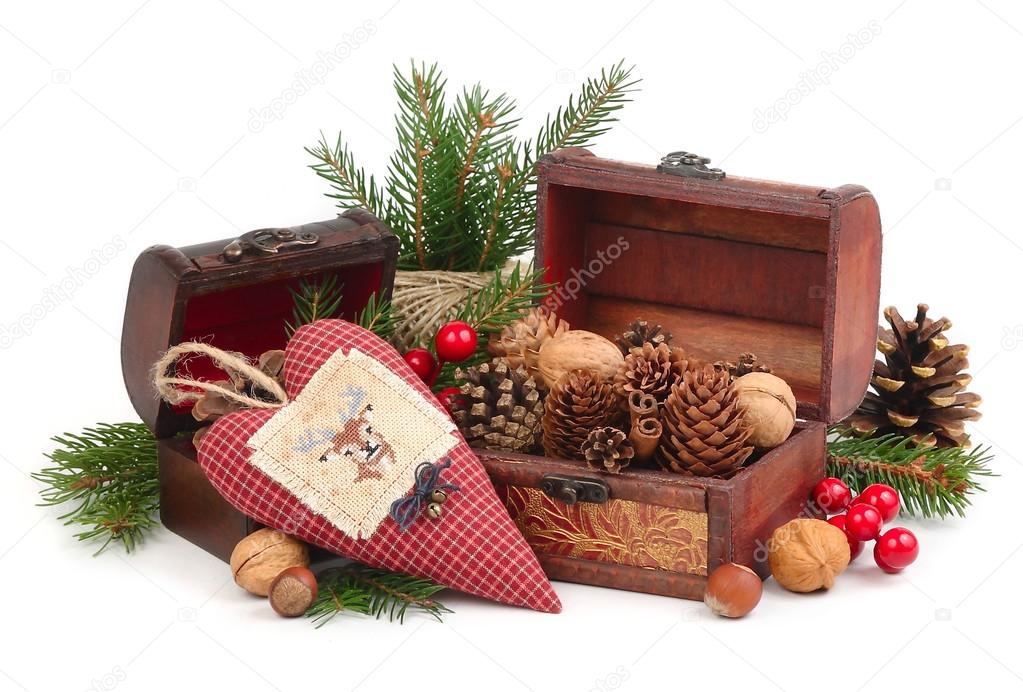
572 489
267 241
689 165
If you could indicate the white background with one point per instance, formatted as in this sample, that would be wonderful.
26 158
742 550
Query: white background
124 124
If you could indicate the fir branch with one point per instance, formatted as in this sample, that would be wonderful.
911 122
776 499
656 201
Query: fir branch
415 165
108 475
392 594
932 481
351 187
378 317
587 114
503 173
460 189
358 589
504 300
314 300
499 303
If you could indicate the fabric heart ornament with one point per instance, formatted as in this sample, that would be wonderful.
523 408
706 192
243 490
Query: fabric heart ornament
352 462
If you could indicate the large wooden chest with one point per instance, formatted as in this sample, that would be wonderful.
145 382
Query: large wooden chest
725 264
235 295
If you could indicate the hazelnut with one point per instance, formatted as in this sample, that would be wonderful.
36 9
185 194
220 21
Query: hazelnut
577 349
733 590
769 408
262 555
807 554
293 591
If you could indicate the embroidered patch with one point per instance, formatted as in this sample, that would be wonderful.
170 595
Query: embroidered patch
348 445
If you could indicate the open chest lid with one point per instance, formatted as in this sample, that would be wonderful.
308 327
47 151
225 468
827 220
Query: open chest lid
237 295
725 264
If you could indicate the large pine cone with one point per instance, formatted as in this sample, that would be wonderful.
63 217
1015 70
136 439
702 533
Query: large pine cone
704 431
519 342
918 389
499 408
579 402
650 370
639 333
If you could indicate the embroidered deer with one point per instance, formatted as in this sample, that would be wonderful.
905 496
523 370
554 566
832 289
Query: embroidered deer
359 442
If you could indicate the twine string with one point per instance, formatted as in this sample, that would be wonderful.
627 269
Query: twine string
406 510
169 385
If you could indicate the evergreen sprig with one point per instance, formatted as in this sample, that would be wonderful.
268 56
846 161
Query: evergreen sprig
502 301
377 317
368 591
314 300
321 299
109 475
460 188
932 481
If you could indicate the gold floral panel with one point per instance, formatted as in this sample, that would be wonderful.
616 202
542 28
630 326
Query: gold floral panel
621 532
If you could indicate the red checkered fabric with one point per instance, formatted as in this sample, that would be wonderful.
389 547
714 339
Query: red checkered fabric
474 547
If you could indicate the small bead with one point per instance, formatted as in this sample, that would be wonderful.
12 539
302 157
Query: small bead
433 510
438 496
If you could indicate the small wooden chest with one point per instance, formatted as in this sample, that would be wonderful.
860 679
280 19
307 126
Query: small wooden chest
789 272
234 295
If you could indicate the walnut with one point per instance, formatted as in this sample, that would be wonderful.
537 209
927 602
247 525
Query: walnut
577 349
262 555
769 408
807 554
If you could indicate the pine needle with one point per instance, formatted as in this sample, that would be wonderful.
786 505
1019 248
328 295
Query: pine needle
108 477
367 591
378 317
499 303
460 188
314 300
932 481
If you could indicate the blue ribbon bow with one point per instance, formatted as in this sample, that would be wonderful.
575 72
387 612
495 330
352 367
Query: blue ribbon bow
406 510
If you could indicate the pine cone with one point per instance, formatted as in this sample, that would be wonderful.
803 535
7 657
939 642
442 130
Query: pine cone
704 432
641 332
520 341
747 364
499 407
650 370
607 449
918 389
577 403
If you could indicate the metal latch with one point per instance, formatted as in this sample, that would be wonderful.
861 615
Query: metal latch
267 241
689 165
572 489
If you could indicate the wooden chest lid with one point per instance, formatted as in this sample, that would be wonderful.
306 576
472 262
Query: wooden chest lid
789 272
241 300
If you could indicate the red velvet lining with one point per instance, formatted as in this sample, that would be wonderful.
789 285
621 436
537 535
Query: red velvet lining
251 319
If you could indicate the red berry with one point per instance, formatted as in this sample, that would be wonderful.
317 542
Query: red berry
832 495
423 363
863 522
448 396
896 550
855 547
884 497
455 341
